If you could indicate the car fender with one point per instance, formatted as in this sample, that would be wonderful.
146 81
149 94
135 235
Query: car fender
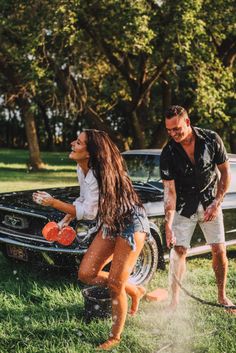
156 233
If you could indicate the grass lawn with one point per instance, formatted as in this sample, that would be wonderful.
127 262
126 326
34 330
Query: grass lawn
14 175
42 311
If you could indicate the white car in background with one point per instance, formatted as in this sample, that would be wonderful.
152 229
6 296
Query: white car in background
21 221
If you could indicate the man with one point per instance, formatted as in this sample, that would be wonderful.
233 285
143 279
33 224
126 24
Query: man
196 175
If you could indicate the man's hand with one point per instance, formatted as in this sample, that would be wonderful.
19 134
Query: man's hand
43 198
211 211
170 237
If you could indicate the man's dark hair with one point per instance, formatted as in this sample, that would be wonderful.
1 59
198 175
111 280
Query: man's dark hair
175 110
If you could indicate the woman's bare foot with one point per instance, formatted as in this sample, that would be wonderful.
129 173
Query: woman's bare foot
228 302
109 344
136 299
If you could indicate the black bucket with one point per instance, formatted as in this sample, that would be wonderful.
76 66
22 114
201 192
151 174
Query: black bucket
97 303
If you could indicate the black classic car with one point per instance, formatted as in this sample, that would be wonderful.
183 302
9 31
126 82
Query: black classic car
21 221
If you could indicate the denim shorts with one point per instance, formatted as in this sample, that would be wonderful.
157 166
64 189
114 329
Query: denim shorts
138 223
183 228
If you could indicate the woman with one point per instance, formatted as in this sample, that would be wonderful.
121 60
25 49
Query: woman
107 192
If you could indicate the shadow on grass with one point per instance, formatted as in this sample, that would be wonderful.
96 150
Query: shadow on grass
43 312
30 281
37 271
39 303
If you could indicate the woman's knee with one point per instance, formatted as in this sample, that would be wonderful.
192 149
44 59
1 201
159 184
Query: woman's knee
85 275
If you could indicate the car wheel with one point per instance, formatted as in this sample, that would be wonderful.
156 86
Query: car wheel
146 264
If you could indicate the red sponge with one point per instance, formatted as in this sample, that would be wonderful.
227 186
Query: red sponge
50 231
158 294
66 236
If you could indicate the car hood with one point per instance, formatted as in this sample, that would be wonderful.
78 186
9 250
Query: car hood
22 200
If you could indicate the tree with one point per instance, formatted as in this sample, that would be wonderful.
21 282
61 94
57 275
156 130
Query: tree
16 79
117 65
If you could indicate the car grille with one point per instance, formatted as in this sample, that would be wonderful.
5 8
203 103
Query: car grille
22 224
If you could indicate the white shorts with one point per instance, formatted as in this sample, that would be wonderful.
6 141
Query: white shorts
183 228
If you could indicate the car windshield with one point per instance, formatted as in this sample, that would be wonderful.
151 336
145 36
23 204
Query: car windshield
144 169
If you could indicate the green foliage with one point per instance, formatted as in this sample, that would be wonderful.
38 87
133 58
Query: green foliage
213 90
106 64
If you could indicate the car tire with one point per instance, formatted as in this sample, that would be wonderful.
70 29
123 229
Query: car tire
146 264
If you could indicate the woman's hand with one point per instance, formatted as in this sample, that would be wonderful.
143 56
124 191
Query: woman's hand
64 222
43 198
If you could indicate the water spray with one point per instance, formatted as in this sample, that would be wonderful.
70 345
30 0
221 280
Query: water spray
200 300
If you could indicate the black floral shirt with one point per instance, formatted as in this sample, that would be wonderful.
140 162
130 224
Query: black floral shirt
194 183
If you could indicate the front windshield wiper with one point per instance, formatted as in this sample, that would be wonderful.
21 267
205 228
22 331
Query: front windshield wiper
148 184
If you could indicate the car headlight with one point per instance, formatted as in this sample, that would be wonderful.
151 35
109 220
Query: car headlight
81 229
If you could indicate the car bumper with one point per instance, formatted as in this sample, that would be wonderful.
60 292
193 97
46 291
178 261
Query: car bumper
42 247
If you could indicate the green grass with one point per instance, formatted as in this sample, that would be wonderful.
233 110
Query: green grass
43 312
14 174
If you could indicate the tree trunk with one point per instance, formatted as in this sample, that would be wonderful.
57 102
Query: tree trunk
35 161
138 131
159 137
9 141
48 129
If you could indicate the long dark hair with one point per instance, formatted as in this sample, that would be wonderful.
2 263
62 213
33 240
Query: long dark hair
117 196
